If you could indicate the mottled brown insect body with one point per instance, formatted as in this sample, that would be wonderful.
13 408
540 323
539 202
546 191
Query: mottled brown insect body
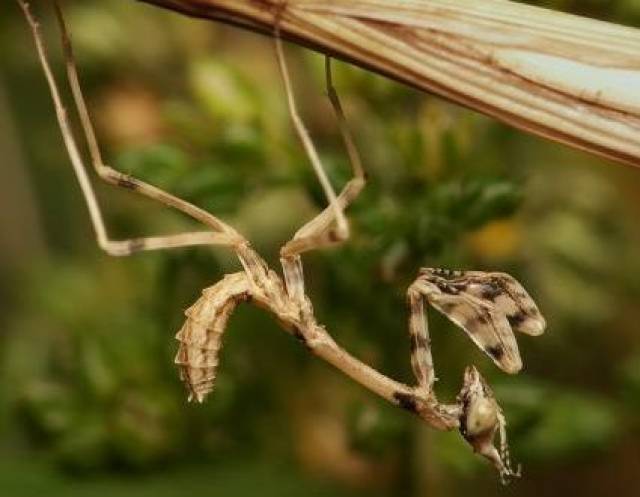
201 335
489 307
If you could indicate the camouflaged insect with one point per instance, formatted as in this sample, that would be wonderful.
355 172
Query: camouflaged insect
489 307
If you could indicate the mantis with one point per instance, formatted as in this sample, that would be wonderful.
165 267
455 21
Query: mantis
489 306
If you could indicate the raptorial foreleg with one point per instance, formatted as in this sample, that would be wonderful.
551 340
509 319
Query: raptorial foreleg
489 307
421 357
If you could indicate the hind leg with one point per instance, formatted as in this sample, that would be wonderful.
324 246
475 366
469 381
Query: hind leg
330 227
220 234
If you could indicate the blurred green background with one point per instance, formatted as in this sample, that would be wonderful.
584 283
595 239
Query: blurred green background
90 402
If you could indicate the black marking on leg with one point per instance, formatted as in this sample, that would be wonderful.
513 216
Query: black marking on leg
517 319
491 291
333 236
128 182
459 286
136 245
447 289
442 272
533 311
297 333
418 342
471 324
483 318
406 401
464 414
495 351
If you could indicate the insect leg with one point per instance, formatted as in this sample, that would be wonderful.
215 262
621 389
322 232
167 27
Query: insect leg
488 307
221 233
330 226
421 358
325 229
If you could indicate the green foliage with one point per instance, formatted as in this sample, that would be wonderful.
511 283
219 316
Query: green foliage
87 345
571 425
629 377
251 477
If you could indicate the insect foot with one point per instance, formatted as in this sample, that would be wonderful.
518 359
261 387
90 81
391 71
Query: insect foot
481 419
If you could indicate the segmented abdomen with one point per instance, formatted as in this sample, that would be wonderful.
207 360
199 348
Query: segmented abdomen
201 335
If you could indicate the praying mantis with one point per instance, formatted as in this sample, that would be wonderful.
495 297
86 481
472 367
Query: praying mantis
489 306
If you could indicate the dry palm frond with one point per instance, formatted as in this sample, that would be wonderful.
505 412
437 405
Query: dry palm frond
563 77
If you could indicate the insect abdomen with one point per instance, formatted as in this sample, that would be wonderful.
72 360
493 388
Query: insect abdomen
201 337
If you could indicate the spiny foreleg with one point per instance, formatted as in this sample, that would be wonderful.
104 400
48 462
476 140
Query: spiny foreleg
421 358
489 307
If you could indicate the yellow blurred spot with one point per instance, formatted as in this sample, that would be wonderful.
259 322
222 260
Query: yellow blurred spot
496 240
129 115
